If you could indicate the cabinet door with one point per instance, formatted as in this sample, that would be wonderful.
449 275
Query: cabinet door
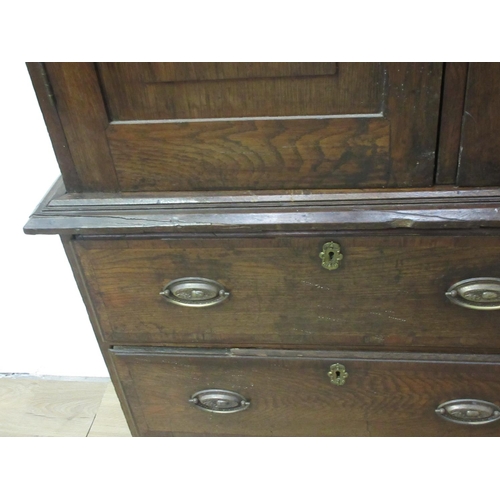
241 126
480 146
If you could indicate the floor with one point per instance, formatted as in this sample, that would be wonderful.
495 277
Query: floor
50 406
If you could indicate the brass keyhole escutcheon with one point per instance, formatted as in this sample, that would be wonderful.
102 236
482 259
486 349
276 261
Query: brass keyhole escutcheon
331 256
337 374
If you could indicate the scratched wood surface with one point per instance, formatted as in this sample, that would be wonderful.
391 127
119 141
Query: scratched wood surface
389 291
293 395
33 407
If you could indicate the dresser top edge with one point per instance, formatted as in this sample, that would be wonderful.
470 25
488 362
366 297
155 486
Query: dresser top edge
112 213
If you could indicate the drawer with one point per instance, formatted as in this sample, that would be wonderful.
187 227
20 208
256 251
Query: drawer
388 291
286 393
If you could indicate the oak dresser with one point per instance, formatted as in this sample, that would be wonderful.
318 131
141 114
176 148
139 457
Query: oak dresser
284 249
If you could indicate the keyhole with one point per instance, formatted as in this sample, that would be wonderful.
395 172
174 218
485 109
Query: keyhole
331 255
337 374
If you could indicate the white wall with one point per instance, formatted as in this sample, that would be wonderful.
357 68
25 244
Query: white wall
45 328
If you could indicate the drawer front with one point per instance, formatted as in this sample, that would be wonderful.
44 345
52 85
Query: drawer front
388 291
291 394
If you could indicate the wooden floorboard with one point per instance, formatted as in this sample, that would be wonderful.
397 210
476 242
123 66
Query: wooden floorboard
32 406
109 421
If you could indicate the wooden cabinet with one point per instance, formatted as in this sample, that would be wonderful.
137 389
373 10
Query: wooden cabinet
219 126
238 229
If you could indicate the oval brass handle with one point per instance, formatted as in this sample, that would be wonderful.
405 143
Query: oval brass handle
194 292
476 293
469 411
219 401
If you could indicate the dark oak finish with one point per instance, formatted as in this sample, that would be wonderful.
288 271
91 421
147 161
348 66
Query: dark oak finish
452 108
46 100
182 91
350 150
292 395
413 97
250 154
480 148
262 212
199 126
84 118
240 173
389 291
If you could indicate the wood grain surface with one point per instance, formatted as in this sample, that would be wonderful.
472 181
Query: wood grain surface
395 149
37 407
161 91
59 407
452 110
265 154
389 291
184 126
412 106
109 420
84 118
293 396
46 100
480 148
262 212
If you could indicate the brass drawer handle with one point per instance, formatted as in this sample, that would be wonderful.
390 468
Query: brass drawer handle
219 401
194 292
331 256
469 411
476 293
